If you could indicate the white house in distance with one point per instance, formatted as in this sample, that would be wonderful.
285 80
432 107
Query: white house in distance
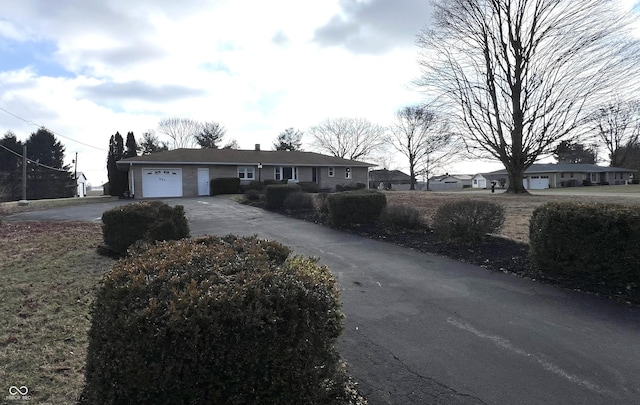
553 175
450 182
81 185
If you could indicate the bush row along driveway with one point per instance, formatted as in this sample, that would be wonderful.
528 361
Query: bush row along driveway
426 329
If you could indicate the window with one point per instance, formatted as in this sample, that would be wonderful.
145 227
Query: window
347 172
332 172
246 172
285 173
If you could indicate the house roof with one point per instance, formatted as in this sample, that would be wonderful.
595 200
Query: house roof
462 177
240 157
568 167
384 174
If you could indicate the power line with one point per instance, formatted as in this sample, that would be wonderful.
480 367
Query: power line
53 132
33 161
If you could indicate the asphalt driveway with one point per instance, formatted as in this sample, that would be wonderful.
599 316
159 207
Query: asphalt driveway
423 329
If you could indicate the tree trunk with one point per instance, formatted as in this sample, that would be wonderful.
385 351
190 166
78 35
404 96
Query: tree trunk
515 181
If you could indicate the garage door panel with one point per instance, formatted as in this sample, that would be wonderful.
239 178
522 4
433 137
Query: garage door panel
161 182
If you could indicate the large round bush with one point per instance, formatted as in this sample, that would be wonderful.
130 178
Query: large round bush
143 221
215 321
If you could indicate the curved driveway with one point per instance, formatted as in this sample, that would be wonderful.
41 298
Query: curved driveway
423 329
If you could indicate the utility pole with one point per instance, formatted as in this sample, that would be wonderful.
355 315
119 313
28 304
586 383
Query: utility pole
75 174
24 176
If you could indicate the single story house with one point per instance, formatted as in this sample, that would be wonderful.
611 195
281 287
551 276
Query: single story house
187 172
450 182
389 180
479 181
81 185
554 175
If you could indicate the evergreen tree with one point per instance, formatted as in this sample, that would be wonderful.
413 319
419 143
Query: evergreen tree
289 139
48 177
117 182
131 146
150 143
10 167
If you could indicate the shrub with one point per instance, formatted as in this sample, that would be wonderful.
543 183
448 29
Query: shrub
589 242
215 321
225 185
309 186
350 187
323 206
635 181
146 221
276 194
355 207
298 201
587 182
396 218
270 182
467 221
252 194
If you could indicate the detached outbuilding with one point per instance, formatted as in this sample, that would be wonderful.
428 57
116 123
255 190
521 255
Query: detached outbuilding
187 172
554 175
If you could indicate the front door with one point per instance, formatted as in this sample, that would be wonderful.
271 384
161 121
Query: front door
203 181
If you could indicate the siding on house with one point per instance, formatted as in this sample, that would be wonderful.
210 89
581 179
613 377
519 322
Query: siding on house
226 164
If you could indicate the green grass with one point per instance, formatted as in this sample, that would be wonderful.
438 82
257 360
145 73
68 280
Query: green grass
49 273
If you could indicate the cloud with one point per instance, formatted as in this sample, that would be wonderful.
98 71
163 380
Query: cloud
138 90
376 26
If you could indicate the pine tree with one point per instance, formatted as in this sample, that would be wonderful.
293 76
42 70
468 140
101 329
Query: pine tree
117 182
53 181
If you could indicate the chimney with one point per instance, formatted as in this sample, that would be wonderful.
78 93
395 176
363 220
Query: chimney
257 146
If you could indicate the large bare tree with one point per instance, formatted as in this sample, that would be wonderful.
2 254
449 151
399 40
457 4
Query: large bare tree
181 131
617 127
348 138
521 75
424 137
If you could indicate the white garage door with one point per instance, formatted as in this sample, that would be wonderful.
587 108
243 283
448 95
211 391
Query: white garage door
538 182
161 183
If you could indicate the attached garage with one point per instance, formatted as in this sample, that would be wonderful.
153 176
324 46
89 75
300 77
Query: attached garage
159 182
538 182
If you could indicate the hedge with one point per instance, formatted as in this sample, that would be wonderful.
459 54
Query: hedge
275 195
588 242
467 221
215 321
143 221
355 207
225 185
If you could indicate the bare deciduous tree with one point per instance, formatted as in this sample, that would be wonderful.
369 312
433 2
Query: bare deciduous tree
617 127
348 138
210 135
425 139
181 131
520 75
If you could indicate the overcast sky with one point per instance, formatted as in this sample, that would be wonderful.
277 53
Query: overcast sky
88 68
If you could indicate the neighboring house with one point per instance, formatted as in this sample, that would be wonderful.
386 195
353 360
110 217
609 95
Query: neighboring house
389 180
554 175
187 172
81 185
479 181
450 182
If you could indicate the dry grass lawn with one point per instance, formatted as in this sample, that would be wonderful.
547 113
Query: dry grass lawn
49 273
518 208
